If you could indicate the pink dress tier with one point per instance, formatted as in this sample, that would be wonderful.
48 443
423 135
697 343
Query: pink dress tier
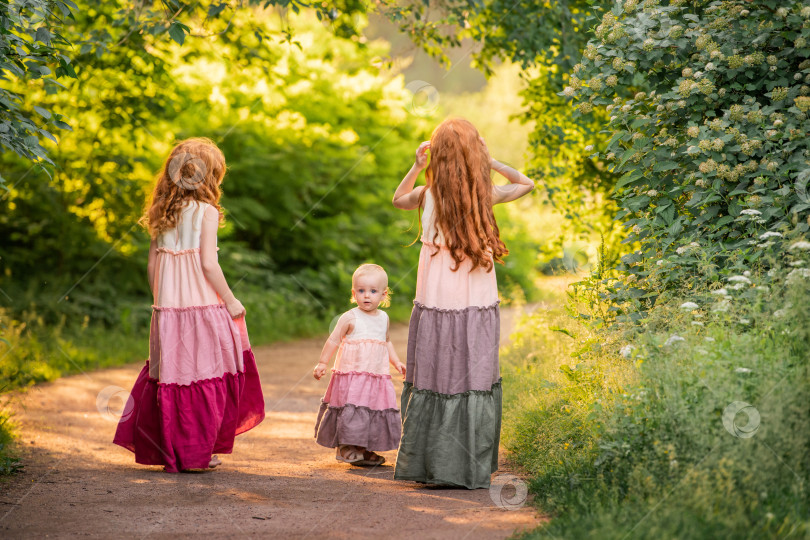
360 405
200 386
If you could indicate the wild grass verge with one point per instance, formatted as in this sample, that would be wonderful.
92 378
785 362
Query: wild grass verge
692 423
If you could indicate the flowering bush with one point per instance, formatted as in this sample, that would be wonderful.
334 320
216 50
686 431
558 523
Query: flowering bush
708 105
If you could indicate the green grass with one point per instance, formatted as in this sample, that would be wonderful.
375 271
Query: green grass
9 460
636 447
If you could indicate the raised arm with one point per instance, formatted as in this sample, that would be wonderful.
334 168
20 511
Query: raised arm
344 326
519 183
406 197
210 262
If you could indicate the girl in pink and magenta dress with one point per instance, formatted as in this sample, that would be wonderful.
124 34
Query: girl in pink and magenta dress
199 387
451 401
359 415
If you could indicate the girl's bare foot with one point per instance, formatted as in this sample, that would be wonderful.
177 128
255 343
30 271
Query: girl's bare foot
215 461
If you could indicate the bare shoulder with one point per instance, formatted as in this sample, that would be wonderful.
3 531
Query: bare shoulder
209 211
347 321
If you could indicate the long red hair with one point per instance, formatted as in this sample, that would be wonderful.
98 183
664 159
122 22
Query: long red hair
458 177
192 172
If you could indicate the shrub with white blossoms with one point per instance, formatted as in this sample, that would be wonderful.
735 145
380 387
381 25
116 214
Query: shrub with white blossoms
710 119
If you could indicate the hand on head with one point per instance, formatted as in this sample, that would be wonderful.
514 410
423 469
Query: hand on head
421 155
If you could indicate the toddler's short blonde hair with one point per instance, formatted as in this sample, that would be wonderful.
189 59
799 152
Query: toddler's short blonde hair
373 270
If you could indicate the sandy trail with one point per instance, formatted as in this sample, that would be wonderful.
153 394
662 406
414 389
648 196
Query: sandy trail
278 482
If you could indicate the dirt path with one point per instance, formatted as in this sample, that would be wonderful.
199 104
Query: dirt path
278 482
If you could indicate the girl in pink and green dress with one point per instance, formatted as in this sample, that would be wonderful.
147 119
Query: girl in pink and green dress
199 387
451 401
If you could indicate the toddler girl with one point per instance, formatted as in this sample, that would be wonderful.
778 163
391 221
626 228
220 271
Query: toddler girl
199 387
358 414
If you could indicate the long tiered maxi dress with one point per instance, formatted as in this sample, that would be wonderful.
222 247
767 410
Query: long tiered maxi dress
451 400
359 407
199 387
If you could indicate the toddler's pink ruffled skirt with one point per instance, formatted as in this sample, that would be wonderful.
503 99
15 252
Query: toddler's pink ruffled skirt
198 390
360 405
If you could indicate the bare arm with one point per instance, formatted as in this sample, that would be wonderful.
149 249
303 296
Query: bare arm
406 197
393 358
519 183
150 266
210 263
343 328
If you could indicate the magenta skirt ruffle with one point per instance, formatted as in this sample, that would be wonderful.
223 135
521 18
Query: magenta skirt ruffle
181 426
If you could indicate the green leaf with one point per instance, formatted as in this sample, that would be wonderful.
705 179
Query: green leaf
799 208
724 220
42 112
625 156
616 137
562 331
43 35
49 135
628 177
216 9
177 33
665 166
668 214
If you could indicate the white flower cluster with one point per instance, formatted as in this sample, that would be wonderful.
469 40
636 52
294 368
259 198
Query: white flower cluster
723 305
770 234
740 282
801 244
689 247
796 274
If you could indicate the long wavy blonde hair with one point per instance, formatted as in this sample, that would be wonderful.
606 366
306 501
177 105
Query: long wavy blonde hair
192 172
459 179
